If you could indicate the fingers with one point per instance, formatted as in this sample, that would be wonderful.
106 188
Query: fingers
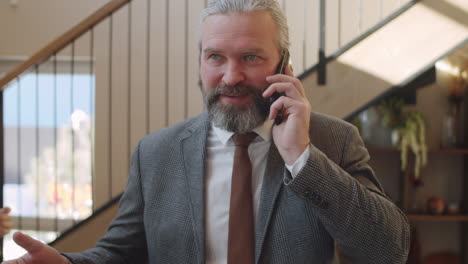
289 84
37 251
295 101
5 230
6 221
5 210
276 107
282 87
15 261
28 243
288 106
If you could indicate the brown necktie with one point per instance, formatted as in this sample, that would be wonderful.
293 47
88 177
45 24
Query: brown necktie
241 237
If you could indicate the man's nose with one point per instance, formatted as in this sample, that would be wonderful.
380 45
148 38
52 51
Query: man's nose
234 74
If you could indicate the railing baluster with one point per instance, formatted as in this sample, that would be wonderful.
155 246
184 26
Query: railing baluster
91 111
166 37
321 70
110 107
129 75
2 166
305 33
340 4
148 56
38 198
55 127
360 17
72 109
18 159
186 48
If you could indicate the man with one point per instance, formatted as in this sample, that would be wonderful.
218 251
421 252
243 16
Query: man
6 222
311 188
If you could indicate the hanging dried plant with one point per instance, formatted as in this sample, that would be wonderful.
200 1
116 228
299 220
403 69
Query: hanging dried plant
413 137
411 127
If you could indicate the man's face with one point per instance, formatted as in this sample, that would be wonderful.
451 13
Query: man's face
238 52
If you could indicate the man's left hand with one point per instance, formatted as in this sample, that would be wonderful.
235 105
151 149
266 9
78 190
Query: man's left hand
292 135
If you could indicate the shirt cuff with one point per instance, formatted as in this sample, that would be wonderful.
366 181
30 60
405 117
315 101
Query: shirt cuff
299 163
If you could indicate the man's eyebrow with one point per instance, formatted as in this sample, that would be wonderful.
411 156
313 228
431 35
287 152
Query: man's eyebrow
211 50
250 50
253 50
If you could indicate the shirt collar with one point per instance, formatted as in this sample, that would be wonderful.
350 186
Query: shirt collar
264 131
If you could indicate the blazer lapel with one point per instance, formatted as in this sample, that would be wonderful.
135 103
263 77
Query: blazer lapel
272 184
194 149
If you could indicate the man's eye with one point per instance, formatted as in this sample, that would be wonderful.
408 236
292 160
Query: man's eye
214 57
251 57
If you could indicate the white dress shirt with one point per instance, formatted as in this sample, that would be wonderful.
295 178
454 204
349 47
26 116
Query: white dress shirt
220 159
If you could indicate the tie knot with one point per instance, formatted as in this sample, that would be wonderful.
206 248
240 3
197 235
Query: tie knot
244 140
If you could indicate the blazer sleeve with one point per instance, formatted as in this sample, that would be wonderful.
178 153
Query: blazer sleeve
365 224
125 241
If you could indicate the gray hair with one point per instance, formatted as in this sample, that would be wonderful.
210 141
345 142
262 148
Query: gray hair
248 6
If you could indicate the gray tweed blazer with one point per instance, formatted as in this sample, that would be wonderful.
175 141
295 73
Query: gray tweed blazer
334 200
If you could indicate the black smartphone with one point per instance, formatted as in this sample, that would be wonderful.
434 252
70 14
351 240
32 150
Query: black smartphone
280 69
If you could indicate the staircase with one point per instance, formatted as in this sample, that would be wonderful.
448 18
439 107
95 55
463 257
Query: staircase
390 58
136 63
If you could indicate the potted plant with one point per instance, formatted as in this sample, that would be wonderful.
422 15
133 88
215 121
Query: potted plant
391 112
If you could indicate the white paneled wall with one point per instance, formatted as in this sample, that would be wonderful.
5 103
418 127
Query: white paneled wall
145 82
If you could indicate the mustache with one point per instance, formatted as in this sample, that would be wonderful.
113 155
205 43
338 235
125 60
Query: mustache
237 90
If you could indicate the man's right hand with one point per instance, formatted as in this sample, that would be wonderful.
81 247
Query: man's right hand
38 253
6 221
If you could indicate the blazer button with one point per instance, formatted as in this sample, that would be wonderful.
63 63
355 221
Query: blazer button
315 197
319 199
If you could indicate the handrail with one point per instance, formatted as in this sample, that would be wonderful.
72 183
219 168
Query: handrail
62 41
95 214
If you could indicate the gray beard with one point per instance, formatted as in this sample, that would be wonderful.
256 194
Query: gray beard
235 118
